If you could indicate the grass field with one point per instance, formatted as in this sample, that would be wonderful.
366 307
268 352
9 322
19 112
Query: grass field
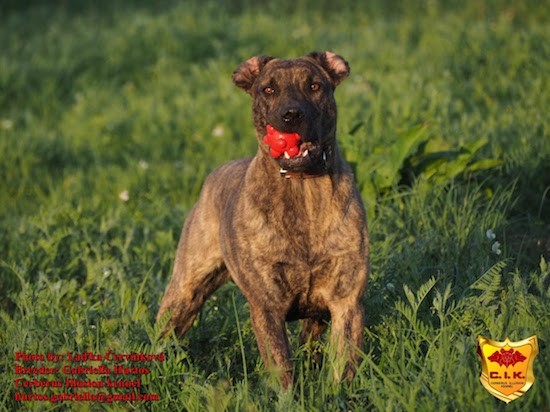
113 113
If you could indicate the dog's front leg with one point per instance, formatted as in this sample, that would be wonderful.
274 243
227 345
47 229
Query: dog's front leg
346 337
270 331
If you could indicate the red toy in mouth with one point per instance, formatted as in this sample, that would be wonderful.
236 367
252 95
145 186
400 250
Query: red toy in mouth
282 143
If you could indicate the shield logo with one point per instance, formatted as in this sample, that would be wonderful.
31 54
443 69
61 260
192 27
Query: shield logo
507 367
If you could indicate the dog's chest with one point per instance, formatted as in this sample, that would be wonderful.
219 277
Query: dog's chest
298 216
295 246
304 228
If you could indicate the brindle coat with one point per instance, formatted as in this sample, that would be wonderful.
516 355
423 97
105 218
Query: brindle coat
291 233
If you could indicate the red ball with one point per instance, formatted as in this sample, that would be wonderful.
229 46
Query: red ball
275 153
293 151
280 142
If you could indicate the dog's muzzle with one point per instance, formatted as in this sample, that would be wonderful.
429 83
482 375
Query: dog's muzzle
311 160
292 116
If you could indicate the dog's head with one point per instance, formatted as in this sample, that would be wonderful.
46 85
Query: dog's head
296 96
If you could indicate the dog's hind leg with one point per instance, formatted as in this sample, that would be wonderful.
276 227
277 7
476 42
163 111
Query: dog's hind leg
312 329
185 299
198 271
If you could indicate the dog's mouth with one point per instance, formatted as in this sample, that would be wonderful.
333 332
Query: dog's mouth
310 159
294 153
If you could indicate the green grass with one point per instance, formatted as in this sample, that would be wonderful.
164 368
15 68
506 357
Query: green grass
101 98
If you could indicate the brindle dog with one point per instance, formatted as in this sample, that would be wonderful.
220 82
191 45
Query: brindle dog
290 232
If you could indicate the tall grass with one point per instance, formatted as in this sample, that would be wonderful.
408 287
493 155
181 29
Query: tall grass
113 113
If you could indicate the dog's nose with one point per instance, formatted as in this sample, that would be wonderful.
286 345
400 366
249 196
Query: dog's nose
292 115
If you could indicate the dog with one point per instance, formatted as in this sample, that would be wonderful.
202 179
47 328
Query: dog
290 231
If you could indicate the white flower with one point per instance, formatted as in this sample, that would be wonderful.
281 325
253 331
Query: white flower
218 131
6 124
490 234
124 195
496 248
143 164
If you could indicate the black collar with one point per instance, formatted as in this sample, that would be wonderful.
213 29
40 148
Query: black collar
301 175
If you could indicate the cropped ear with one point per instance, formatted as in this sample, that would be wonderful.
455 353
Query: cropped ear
247 72
336 67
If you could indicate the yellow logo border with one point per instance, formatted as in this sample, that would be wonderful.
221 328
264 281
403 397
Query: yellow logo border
530 378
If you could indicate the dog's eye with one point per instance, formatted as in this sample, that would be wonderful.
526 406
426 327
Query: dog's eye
269 90
315 87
